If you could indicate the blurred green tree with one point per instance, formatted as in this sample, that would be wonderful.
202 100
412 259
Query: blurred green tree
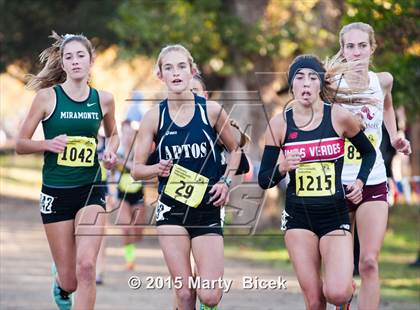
225 37
231 40
397 31
25 26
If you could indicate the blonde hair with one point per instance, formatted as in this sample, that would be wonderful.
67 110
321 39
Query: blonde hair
52 73
338 66
335 92
172 48
355 26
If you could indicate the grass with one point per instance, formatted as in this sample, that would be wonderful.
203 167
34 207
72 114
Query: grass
401 244
267 248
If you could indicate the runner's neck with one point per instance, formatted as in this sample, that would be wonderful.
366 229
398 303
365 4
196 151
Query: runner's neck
76 90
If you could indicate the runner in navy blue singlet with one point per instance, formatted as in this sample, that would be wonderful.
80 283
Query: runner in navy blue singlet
192 185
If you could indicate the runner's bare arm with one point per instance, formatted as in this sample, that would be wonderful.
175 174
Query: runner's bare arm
111 132
386 80
142 147
274 134
42 105
108 110
400 143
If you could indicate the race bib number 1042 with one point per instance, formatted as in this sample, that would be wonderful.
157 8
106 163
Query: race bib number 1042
79 152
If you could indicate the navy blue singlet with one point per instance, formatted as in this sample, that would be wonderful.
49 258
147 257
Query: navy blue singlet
193 146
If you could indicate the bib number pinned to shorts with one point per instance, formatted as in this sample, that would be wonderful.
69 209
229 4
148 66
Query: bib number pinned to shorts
315 179
186 186
45 203
351 155
79 152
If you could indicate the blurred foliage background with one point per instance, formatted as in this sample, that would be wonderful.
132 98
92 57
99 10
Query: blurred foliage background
242 47
227 37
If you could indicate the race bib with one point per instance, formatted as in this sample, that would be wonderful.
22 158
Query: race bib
45 203
315 179
186 186
79 152
351 155
128 185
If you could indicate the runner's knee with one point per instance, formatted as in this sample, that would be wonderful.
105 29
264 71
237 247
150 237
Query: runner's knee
210 297
368 265
67 279
85 270
337 295
68 283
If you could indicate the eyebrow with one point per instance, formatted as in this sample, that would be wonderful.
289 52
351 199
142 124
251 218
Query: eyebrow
172 64
311 72
68 53
357 42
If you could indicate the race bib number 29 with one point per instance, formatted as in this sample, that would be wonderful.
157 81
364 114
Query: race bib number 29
186 186
315 179
79 152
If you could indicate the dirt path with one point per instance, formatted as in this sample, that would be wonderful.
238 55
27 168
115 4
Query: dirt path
25 272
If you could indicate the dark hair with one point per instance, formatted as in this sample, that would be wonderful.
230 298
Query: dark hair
306 61
200 79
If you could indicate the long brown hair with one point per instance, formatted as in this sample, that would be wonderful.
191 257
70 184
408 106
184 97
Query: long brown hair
52 73
244 139
332 76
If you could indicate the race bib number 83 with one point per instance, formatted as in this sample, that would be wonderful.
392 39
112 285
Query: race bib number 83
186 186
79 152
351 155
315 179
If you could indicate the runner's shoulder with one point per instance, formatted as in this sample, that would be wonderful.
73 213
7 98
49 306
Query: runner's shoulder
385 79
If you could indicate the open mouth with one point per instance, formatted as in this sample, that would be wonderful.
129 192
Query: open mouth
177 81
306 94
76 69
